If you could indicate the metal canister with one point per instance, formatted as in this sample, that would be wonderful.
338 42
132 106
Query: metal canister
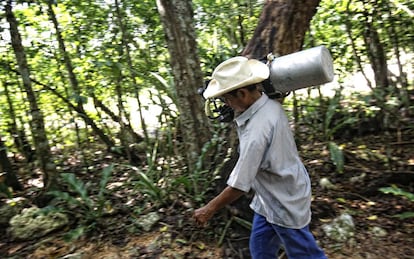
301 69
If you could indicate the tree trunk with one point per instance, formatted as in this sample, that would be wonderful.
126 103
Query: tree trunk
377 58
127 135
74 83
66 59
133 75
37 121
282 27
402 77
177 20
88 120
6 167
18 134
376 55
348 27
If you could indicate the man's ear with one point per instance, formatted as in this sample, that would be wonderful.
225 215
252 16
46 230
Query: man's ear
242 92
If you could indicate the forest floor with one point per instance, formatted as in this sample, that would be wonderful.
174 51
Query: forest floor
371 162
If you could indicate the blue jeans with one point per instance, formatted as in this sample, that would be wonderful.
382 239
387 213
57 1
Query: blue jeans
266 239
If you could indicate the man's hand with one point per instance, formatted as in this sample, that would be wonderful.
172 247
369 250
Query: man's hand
227 196
202 215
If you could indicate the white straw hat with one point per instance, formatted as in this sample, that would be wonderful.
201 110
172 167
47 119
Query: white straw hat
235 73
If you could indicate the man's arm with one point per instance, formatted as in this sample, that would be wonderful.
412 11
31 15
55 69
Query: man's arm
227 196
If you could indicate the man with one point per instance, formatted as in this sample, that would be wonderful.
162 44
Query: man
268 163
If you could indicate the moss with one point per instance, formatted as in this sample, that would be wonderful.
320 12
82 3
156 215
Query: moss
34 223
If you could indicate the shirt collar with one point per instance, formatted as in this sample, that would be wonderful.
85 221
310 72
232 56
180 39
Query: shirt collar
247 114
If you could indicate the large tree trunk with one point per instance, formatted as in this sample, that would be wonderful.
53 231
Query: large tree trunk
282 27
177 20
281 30
376 57
37 121
378 60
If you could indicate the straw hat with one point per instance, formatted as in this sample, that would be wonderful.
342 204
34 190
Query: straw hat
235 73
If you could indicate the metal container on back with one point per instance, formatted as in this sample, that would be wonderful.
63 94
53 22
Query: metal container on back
302 69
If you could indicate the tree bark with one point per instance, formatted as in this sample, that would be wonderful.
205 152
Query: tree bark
40 140
177 20
125 46
377 58
402 77
282 27
6 167
376 55
348 27
75 84
18 134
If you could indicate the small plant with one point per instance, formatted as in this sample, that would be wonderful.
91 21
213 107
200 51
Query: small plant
337 156
393 189
149 187
197 183
331 124
145 183
89 208
5 191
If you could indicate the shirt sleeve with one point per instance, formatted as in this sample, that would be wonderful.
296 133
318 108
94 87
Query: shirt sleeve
253 146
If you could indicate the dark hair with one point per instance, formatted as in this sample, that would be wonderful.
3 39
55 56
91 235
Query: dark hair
250 88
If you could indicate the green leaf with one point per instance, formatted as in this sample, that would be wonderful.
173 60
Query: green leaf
246 224
75 233
405 215
79 187
337 156
397 191
64 196
149 187
106 174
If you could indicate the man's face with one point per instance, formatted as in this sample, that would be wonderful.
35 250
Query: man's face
235 101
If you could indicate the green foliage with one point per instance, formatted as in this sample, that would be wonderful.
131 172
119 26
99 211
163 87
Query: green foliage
94 43
338 22
77 233
165 86
394 190
398 191
220 40
337 156
196 185
148 186
202 178
5 191
332 124
77 199
93 40
161 183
